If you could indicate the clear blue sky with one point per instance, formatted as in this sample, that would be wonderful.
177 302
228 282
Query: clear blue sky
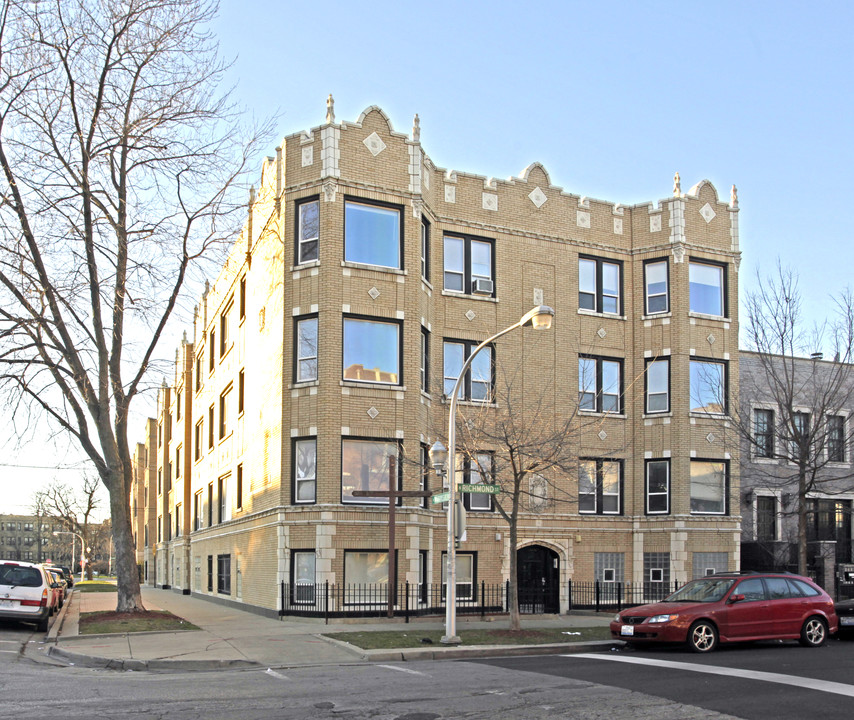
612 98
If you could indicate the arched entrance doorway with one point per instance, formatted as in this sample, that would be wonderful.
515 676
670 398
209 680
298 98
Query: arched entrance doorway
538 579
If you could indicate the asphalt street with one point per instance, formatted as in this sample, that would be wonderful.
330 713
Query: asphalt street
767 680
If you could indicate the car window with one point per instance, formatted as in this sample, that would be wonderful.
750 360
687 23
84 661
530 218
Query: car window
20 576
752 589
701 591
805 588
778 589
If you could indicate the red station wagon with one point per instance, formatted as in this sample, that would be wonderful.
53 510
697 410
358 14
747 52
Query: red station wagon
732 607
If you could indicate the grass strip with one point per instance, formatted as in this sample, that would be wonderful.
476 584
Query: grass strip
413 637
103 623
95 586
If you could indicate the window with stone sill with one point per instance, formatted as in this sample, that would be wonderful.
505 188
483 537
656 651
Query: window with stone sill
305 470
707 288
307 231
468 265
708 387
305 349
709 486
372 351
657 487
600 384
656 287
478 383
600 285
365 466
373 234
657 386
600 487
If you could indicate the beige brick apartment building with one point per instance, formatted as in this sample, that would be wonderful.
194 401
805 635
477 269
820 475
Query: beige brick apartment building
363 278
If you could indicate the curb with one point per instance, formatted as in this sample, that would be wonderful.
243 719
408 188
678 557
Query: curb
93 661
479 651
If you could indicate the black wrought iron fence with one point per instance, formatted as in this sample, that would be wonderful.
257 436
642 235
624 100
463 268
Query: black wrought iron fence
616 596
331 600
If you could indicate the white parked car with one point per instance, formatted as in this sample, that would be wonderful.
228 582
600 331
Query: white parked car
26 594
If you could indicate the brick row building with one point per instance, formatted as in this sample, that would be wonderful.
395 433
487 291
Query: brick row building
363 278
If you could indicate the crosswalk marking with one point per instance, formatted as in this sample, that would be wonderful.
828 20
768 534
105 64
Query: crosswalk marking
790 680
400 669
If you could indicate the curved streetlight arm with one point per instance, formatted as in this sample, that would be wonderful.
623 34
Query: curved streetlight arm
544 314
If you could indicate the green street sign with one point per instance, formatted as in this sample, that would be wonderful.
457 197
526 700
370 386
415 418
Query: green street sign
440 498
480 488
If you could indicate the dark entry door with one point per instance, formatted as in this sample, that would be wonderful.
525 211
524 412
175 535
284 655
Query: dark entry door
538 577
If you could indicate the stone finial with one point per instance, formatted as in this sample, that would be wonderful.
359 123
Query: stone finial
677 186
184 339
733 197
330 110
251 196
416 128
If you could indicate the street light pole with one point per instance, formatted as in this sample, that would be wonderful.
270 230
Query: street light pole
540 318
82 548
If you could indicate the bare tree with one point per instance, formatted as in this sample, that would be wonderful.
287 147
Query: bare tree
119 158
72 509
527 441
793 402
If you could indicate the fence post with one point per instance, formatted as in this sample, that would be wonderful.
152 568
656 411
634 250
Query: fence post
569 594
326 602
282 593
505 601
619 597
596 595
406 601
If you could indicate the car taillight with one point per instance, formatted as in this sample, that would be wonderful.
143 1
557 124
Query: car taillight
34 603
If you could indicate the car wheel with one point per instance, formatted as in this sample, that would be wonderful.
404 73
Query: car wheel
702 637
41 626
814 632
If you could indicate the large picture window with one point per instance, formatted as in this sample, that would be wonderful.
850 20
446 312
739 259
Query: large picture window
372 234
371 351
307 231
600 487
709 487
600 384
656 287
468 265
657 386
364 466
707 288
366 577
599 285
708 383
477 385
305 470
305 345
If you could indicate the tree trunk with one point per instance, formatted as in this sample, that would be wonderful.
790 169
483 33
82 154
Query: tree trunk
802 522
513 600
129 595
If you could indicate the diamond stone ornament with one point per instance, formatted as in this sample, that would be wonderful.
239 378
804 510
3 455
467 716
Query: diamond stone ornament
708 213
374 143
470 315
538 197
373 412
374 293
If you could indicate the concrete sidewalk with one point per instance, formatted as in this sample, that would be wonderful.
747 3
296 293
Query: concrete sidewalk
232 638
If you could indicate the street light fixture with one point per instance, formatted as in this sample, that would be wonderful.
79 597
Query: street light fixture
82 548
539 318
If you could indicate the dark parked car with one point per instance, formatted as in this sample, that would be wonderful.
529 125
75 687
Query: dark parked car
733 607
66 573
845 613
